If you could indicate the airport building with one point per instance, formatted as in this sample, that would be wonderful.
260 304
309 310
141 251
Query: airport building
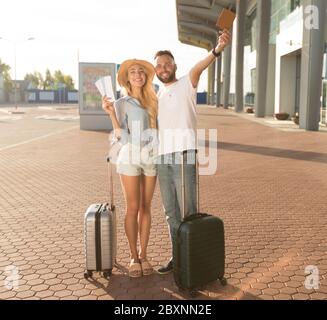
277 60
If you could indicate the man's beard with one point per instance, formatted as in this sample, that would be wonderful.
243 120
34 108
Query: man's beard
171 78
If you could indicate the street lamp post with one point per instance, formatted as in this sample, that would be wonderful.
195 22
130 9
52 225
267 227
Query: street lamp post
15 65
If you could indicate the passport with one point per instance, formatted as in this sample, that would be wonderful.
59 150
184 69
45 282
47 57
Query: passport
225 19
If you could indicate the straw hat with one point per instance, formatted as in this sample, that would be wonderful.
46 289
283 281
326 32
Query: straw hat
122 73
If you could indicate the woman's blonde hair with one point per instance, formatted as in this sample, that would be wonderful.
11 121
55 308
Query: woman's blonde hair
148 99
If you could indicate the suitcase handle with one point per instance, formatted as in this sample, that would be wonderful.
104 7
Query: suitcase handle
197 184
111 186
194 217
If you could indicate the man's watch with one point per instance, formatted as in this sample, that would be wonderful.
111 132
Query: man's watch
217 55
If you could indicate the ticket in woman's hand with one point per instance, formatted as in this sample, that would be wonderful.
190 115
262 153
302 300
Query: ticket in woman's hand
104 85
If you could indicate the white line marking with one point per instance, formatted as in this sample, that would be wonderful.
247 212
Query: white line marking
12 118
57 117
37 138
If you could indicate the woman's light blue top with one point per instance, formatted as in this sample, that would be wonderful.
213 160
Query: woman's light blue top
134 122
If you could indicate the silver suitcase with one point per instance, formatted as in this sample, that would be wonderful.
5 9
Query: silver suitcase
100 236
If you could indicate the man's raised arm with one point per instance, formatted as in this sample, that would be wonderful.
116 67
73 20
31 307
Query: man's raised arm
224 40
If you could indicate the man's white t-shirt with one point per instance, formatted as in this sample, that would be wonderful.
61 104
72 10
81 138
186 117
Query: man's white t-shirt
177 117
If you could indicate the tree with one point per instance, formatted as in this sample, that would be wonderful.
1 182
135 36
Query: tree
59 79
36 79
62 79
48 82
4 69
69 82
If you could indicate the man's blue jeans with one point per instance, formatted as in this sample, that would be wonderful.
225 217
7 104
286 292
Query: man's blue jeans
170 181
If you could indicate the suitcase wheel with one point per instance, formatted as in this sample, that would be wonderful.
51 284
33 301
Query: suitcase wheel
88 274
107 274
223 281
193 294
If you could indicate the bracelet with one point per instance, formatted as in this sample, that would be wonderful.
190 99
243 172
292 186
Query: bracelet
217 55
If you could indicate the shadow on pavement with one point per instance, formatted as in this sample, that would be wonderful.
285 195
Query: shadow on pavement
163 287
272 152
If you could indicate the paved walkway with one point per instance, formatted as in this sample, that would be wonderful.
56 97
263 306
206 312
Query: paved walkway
270 190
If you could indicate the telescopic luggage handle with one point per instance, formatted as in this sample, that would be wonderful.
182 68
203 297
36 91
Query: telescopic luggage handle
111 185
197 183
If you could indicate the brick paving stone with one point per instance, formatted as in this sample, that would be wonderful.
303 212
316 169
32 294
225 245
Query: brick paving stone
298 278
245 270
3 289
69 298
33 298
57 287
25 294
247 296
45 271
239 275
281 279
106 297
70 281
162 296
64 276
230 271
22 288
260 269
304 290
51 298
48 276
136 291
294 284
288 273
288 291
270 291
52 282
99 292
120 291
254 292
259 286
300 296
282 297
267 280
81 293
88 298
318 296
126 296
276 285
233 281
63 293
75 287
92 286
45 294
267 247
7 294
266 297
41 287
255 275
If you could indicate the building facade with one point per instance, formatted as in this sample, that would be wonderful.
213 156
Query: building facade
277 60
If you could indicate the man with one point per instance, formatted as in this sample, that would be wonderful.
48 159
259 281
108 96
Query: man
177 133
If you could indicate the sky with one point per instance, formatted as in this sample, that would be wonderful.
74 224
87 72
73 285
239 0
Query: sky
68 31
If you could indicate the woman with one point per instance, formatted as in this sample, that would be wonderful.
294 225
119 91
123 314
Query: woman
131 116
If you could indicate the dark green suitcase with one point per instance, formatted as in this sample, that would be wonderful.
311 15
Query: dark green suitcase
198 248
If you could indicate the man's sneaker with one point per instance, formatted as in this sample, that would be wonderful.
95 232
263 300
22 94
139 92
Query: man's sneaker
167 268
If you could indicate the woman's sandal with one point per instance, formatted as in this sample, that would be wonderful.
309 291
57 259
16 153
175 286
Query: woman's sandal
147 268
134 269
